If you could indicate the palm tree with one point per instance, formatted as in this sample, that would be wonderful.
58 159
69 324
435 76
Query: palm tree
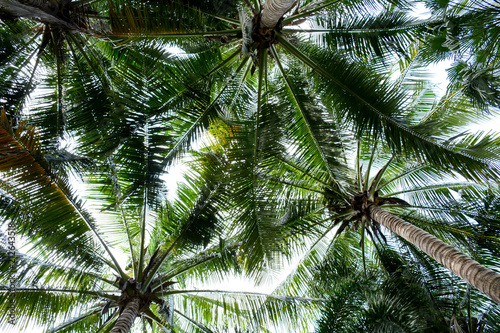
428 202
70 276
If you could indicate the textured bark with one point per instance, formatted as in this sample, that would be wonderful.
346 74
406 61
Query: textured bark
36 9
127 317
480 277
273 10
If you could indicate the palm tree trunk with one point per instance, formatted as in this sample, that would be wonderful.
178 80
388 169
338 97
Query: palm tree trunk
480 277
36 9
127 317
273 10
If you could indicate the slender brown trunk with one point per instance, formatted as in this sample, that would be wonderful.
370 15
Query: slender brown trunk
126 319
480 277
273 10
36 9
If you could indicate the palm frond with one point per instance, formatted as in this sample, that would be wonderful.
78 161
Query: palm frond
184 18
46 197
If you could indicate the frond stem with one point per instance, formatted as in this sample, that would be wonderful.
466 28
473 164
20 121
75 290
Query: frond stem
300 108
129 238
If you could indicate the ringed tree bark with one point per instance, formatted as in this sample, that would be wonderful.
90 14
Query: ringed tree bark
480 277
127 317
273 11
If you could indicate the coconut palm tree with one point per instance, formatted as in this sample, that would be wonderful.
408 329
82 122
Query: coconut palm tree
147 258
311 138
419 198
